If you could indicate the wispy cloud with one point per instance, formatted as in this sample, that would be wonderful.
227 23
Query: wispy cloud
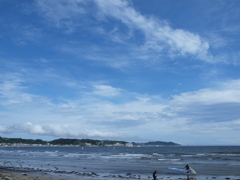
156 37
63 14
26 34
159 35
14 93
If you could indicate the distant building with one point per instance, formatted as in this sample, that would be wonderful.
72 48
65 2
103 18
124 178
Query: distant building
85 144
129 144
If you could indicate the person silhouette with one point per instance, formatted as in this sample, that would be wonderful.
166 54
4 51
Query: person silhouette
155 175
186 167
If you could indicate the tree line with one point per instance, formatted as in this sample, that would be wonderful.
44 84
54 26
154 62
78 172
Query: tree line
65 141
60 141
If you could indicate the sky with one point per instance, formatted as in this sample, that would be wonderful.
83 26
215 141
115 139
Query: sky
137 71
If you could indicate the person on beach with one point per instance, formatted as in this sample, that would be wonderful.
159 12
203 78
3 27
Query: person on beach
186 167
155 175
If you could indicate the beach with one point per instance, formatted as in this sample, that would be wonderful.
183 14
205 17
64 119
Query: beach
16 175
19 175
115 163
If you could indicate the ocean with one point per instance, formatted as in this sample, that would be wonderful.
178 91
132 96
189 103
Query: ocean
124 162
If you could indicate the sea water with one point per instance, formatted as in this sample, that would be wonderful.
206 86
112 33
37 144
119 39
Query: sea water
141 161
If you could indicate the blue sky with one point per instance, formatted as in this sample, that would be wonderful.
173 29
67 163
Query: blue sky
136 70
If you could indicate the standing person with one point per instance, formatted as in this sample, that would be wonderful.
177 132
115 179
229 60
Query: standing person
187 167
155 175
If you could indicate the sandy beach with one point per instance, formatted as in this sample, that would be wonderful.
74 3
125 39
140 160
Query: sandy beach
6 174
17 175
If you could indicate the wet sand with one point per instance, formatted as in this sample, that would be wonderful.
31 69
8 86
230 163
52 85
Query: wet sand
17 175
6 174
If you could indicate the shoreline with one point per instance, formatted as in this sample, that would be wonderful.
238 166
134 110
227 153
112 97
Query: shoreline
119 163
15 174
6 174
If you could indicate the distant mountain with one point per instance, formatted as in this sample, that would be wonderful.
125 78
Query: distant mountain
160 143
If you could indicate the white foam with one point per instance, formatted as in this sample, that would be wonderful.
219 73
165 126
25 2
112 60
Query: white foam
169 159
157 154
126 156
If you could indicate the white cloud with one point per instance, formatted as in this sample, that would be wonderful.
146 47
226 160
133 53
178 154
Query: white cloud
28 128
94 114
59 130
208 96
105 90
5 130
159 35
219 104
228 92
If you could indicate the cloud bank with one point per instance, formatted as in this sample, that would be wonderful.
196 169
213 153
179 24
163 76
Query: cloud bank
105 112
54 130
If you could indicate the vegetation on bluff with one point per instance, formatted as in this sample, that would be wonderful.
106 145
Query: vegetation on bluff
23 141
159 143
80 142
